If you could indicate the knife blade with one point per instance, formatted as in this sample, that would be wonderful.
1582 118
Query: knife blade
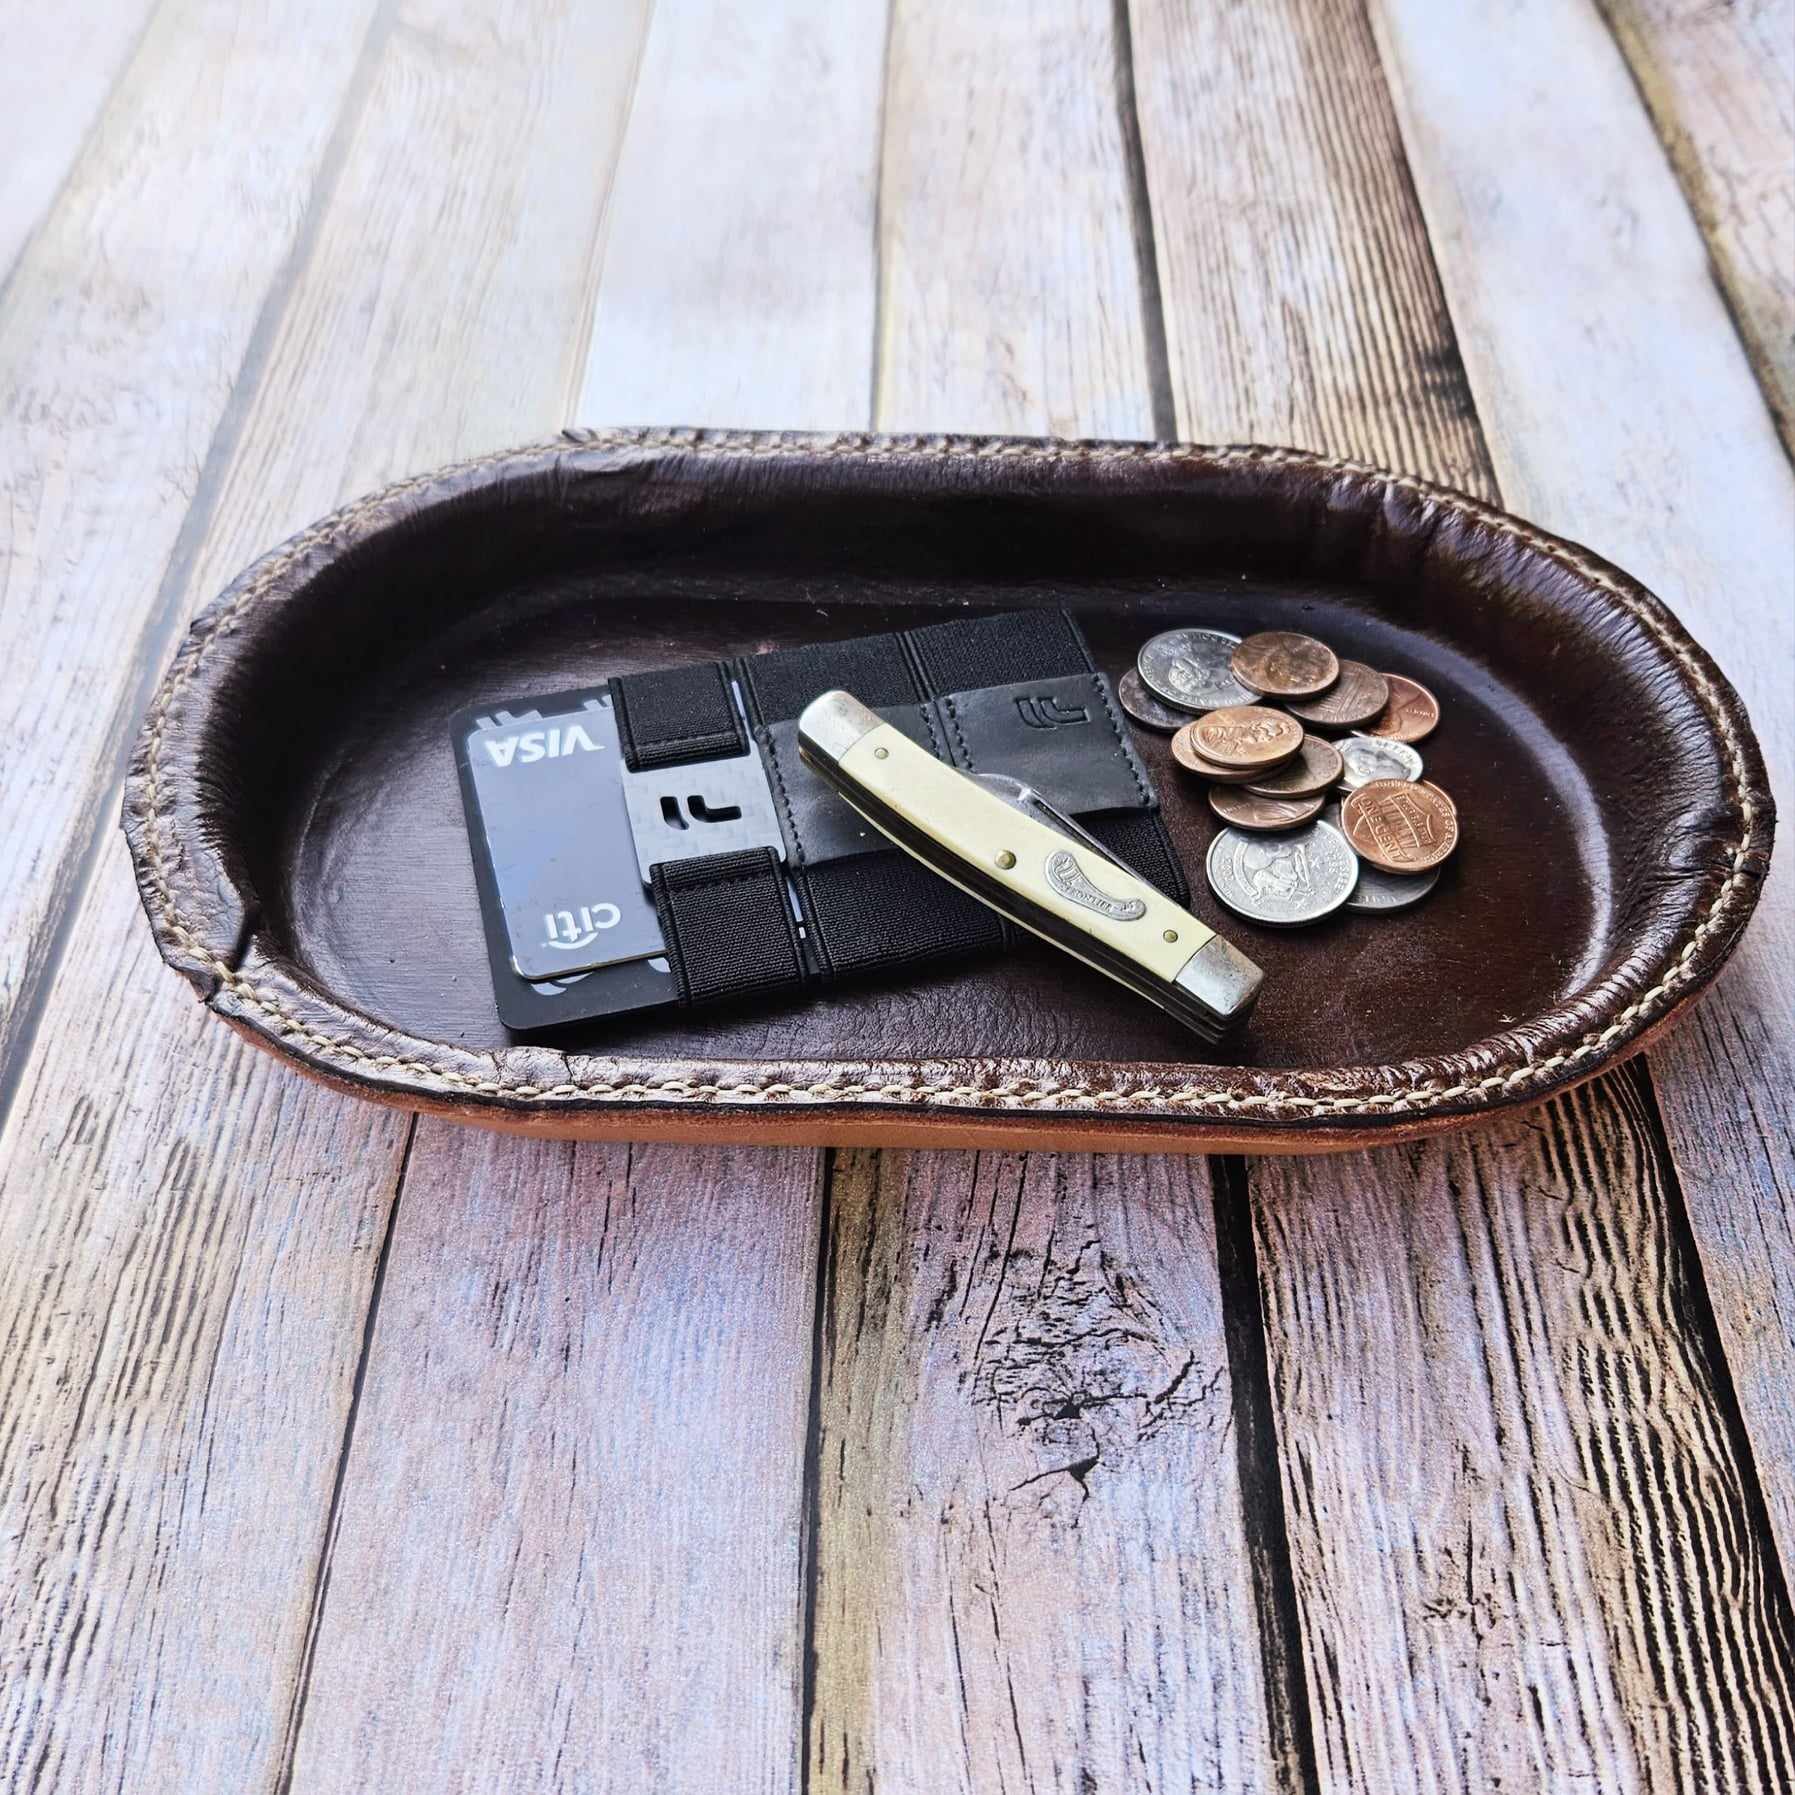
1047 876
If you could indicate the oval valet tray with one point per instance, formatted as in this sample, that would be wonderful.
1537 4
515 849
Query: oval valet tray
294 816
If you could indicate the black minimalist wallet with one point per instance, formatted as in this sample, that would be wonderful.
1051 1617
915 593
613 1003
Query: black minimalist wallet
655 839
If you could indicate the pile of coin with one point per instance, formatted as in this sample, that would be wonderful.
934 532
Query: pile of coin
1311 766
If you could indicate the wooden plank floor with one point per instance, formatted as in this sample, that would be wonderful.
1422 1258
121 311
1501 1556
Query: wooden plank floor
342 1453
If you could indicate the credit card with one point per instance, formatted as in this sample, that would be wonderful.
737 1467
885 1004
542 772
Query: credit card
554 826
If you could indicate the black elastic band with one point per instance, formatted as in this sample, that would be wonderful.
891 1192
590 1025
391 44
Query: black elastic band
676 715
727 924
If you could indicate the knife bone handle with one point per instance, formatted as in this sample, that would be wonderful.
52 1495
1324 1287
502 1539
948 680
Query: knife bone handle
1090 906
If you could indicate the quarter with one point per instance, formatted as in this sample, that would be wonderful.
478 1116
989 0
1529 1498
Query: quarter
1316 767
1358 696
1250 736
1245 809
1411 714
1280 663
1283 881
1189 667
1370 757
1144 707
1400 825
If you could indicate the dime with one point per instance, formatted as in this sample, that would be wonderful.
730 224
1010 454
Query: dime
1317 766
1144 707
1411 713
1279 663
1370 757
1246 810
1401 825
1282 880
1247 735
1190 667
1357 696
1185 752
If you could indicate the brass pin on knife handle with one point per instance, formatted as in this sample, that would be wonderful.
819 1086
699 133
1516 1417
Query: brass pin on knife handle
1046 881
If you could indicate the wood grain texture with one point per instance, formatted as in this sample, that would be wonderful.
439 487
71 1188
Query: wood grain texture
614 1595
738 284
1499 1589
1030 1546
1529 1474
1033 1565
569 1553
1010 294
192 1236
1720 84
60 65
122 330
1576 273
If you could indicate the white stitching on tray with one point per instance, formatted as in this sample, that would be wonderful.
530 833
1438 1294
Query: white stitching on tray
1011 1093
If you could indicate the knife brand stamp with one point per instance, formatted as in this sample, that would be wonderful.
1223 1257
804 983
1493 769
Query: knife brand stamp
1068 878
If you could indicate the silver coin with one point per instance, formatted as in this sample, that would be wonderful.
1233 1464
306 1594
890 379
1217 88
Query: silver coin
1377 892
1190 667
1285 880
1144 707
1370 757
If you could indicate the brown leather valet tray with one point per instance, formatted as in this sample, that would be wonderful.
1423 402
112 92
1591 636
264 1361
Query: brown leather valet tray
298 836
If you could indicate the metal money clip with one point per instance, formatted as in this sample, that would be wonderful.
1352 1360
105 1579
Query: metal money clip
1006 845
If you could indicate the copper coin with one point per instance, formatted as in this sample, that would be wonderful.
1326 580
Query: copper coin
1401 825
1252 736
1410 715
1187 755
1246 810
1358 695
1316 767
1279 663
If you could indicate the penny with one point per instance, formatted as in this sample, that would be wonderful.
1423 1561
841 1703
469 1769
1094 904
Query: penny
1146 709
1192 760
1282 880
1358 696
1411 714
1247 735
1317 766
1279 663
1400 825
1190 667
1377 892
1370 757
1247 810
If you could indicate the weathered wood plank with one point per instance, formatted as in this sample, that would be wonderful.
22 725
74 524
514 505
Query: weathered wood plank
738 284
1010 289
1720 83
1474 1442
1033 1567
1032 1559
1574 1565
189 1236
570 1551
60 64
122 331
619 1583
1620 410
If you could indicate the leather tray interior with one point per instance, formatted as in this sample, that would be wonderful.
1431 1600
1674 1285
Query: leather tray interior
294 813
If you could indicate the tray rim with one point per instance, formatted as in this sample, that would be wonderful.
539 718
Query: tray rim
542 1087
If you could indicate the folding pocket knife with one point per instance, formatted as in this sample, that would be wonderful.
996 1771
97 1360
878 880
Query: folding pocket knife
1007 846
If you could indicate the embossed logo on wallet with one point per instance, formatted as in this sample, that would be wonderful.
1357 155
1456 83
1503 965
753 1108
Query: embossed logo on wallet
1044 711
1068 878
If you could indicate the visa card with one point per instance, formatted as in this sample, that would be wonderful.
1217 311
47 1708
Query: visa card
571 931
